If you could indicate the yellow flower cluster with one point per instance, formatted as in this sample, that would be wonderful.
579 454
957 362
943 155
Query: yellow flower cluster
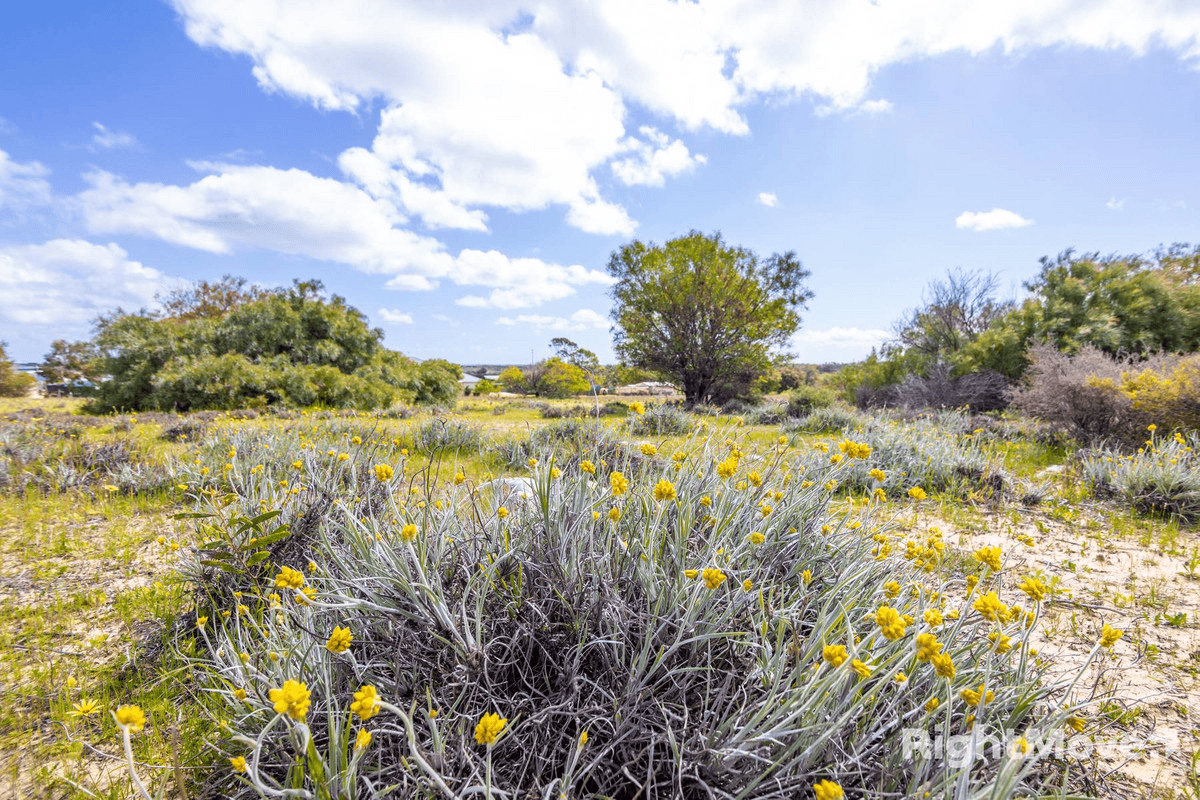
292 699
131 718
1109 636
408 532
928 646
383 472
917 493
489 727
664 490
727 468
991 608
366 703
975 696
991 556
855 449
1034 588
890 623
713 577
289 578
339 640
618 483
827 790
835 654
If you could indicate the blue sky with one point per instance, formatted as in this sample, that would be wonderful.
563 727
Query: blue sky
461 171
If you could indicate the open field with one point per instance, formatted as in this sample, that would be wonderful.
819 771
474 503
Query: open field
106 602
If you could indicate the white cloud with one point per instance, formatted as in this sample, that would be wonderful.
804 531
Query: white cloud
654 160
65 283
516 105
395 317
107 140
768 199
837 343
995 220
1114 204
292 211
23 185
583 319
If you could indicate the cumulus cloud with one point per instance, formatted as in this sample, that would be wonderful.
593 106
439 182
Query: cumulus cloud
583 319
22 185
395 317
66 283
517 106
107 140
292 211
654 159
1114 204
768 199
837 343
997 219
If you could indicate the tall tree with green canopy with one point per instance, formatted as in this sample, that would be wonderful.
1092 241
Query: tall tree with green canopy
706 314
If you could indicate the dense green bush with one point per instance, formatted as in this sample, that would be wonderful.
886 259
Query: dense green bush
804 399
289 347
12 382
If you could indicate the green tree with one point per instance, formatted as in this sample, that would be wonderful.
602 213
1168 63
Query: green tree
229 347
956 311
706 314
72 364
557 378
513 380
13 382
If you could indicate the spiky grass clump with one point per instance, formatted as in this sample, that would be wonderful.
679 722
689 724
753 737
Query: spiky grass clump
1161 479
712 632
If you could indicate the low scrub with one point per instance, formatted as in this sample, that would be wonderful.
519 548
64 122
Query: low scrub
1161 479
1097 399
656 632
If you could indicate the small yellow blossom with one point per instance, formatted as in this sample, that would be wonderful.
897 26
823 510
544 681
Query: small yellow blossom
501 512
943 665
917 493
637 408
990 556
84 708
614 514
383 472
891 589
587 467
408 532
834 654
862 669
975 696
1109 636
1078 723
806 576
239 693
757 538
664 490
827 790
460 478
339 640
366 703
289 578
649 449
747 584
363 739
878 475
291 699
1034 588
618 483
713 577
727 467
132 718
990 608
932 704
489 727
890 623
691 574
238 763
933 617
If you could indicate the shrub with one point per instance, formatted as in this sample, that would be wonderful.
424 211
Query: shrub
833 419
661 420
12 382
1161 479
447 434
977 391
1080 394
672 625
805 399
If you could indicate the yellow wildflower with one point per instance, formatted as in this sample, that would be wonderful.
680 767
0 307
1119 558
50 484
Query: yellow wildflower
713 577
990 607
747 584
890 623
1034 588
460 478
727 467
489 727
614 514
363 739
933 617
1109 636
835 654
618 483
587 467
291 699
636 407
664 490
757 538
131 718
932 704
827 790
943 665
917 493
84 708
408 532
862 669
878 475
289 578
339 640
691 574
1078 723
366 703
891 589
990 556
238 763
